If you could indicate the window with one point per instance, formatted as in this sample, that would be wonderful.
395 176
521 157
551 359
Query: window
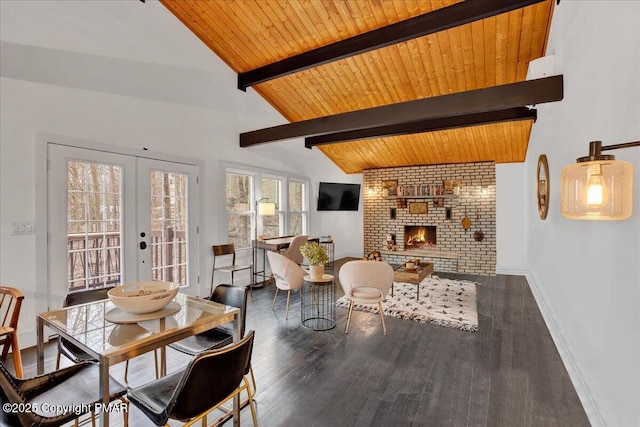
245 187
239 208
271 224
297 208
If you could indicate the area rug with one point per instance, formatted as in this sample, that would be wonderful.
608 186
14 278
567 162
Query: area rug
445 302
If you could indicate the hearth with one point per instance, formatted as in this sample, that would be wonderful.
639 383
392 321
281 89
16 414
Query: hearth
419 237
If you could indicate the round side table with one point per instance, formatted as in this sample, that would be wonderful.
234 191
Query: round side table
318 303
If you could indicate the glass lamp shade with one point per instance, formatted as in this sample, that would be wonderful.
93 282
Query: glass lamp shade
597 190
266 208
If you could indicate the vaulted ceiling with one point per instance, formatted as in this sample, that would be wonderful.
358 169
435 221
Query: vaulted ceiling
488 52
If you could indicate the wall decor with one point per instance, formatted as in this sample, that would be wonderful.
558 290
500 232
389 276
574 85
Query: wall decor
401 203
542 188
447 214
466 222
438 203
418 208
478 236
390 187
392 213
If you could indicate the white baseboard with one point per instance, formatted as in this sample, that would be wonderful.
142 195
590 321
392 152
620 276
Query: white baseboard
512 270
575 373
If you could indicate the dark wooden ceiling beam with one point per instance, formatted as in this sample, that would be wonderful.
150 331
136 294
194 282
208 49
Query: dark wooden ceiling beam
427 125
520 94
429 23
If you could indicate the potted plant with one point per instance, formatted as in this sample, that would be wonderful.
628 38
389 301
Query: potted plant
317 256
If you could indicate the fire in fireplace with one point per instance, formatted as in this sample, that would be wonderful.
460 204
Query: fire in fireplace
419 236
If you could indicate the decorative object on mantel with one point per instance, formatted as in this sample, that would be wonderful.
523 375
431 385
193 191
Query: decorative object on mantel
598 187
317 256
390 187
452 186
466 222
418 208
445 302
542 189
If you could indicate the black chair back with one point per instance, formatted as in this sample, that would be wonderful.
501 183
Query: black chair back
71 351
55 398
235 296
210 377
83 297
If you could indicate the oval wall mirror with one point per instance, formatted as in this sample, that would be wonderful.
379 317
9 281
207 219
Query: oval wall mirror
542 178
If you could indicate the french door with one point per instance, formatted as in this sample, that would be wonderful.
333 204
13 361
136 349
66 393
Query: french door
116 218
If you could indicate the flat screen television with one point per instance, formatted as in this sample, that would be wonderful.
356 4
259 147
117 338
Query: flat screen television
334 196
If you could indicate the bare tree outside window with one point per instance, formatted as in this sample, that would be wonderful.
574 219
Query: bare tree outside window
239 210
94 222
296 208
271 189
169 226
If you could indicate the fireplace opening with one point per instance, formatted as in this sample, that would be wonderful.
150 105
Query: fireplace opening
419 236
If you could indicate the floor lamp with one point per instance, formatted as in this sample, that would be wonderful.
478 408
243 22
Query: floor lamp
263 209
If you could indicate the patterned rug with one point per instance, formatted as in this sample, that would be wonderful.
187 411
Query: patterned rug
445 302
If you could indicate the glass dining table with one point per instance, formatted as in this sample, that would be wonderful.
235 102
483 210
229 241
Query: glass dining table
87 327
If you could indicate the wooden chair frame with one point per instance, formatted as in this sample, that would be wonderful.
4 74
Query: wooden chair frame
10 304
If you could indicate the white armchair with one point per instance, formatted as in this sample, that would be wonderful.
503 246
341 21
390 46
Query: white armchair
293 251
288 275
366 282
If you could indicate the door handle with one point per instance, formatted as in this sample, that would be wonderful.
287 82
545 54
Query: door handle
143 245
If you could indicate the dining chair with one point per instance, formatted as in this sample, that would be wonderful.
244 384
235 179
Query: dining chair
75 353
55 398
366 282
226 252
10 304
289 276
293 251
234 296
210 379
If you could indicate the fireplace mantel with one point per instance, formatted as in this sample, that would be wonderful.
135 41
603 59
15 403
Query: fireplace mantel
422 253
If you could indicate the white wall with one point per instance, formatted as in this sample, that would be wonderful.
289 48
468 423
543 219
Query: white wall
588 271
129 74
511 218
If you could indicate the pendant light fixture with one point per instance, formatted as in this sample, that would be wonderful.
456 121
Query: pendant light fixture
598 187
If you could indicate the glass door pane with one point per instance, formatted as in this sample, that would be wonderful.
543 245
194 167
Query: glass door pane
169 226
167 222
94 223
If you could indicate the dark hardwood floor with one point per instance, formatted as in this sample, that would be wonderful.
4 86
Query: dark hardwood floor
508 373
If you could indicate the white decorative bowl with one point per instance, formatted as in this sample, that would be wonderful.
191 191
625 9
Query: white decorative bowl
143 297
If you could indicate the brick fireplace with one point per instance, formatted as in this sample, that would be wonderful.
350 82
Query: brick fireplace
419 237
447 244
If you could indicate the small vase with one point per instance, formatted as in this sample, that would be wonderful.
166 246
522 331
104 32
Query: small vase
316 271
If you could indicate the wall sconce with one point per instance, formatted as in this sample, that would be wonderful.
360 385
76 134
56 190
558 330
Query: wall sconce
263 209
598 186
484 189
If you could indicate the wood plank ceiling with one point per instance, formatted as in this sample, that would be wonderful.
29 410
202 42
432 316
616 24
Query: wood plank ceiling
248 34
